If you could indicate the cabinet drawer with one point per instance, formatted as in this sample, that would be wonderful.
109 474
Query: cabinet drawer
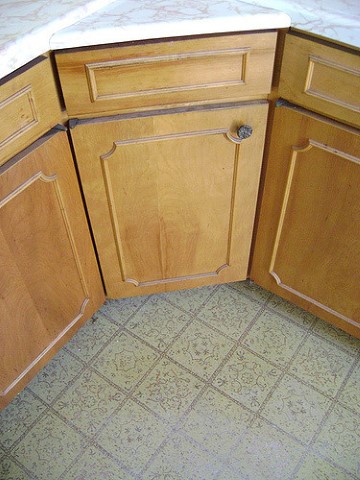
323 78
29 107
168 73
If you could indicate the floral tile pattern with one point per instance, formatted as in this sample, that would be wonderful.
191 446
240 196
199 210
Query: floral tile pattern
200 349
315 468
320 366
216 422
91 337
10 471
190 300
49 447
125 360
340 439
17 417
296 408
226 382
275 338
182 460
119 310
247 378
291 311
157 322
132 436
94 465
229 312
89 402
265 453
350 394
252 290
56 376
169 390
339 337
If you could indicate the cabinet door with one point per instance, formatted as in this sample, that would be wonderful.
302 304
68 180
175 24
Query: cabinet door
49 282
308 240
171 197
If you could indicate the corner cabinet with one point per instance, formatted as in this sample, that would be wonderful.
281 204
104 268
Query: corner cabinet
172 196
49 283
171 178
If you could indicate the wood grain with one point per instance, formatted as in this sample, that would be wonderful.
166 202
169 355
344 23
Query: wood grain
29 107
171 199
322 78
49 283
166 74
308 241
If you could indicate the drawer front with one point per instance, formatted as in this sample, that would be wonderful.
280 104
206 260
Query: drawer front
165 74
29 107
322 78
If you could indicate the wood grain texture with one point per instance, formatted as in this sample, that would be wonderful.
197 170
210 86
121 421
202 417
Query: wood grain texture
171 199
49 283
29 107
322 78
308 240
167 74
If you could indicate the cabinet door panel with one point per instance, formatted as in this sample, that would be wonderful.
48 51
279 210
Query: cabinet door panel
46 259
170 197
308 241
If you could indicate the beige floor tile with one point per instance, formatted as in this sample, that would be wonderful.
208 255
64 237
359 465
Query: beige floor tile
350 394
200 349
265 453
323 367
229 311
339 439
315 468
216 422
296 408
89 402
169 390
49 448
247 378
132 436
182 460
94 465
158 322
125 360
275 338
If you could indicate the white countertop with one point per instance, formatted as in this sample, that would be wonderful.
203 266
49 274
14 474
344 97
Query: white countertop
26 27
143 19
29 28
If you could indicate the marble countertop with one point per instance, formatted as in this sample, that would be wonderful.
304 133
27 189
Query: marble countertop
143 19
26 26
29 28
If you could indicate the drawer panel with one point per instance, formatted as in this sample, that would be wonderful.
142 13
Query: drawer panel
29 107
169 73
322 78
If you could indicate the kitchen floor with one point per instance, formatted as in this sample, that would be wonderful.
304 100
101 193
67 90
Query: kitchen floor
223 382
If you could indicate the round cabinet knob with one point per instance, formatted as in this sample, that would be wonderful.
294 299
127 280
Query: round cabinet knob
242 133
245 131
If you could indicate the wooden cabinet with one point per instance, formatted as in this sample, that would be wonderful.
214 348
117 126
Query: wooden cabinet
49 282
308 240
171 196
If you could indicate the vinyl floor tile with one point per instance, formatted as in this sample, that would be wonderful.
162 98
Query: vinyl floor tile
229 312
227 382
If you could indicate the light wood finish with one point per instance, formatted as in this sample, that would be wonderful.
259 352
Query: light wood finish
171 198
308 239
29 107
322 78
49 282
169 73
